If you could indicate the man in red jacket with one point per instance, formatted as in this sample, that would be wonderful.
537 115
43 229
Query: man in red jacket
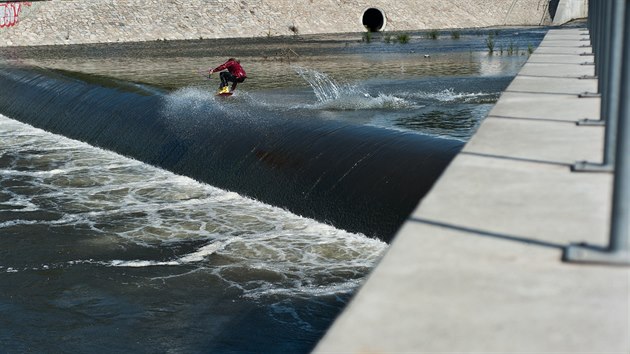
234 74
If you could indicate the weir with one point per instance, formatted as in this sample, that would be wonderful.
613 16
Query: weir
358 178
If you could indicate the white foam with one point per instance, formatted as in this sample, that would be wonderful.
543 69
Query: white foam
140 264
362 102
12 223
197 256
450 95
263 250
334 96
201 253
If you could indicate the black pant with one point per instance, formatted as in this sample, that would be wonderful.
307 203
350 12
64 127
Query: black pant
226 77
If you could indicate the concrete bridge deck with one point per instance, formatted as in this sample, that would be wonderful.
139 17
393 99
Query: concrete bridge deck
477 267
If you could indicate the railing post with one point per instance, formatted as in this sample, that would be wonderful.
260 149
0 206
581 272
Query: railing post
611 81
618 250
598 30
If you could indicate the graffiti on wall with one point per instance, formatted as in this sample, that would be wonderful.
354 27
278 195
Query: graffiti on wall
10 12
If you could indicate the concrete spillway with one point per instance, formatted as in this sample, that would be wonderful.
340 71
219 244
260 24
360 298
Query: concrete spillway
358 178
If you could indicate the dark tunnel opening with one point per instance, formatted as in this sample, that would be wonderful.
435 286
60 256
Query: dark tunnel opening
373 19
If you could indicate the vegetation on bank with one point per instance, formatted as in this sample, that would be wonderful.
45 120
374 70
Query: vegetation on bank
492 40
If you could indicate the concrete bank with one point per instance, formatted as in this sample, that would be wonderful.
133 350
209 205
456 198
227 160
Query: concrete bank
477 267
55 22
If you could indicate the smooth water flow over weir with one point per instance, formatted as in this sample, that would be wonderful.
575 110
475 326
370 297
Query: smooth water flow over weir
356 177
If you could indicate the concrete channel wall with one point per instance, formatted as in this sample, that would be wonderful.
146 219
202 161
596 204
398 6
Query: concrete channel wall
55 22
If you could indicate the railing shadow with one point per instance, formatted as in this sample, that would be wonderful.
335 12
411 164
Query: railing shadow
485 233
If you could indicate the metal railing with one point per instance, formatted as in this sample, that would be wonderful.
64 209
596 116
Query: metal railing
609 30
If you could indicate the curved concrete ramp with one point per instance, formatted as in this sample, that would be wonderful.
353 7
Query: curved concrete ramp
358 178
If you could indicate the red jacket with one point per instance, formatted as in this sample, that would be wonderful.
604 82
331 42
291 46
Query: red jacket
233 67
